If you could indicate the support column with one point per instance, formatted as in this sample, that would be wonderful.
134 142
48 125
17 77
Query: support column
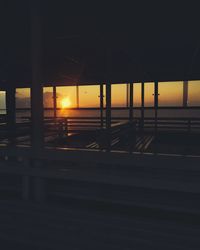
108 106
156 104
127 95
108 114
101 105
11 114
77 96
36 88
185 93
132 126
54 102
131 102
142 106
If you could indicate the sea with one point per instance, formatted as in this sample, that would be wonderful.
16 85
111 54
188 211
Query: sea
148 113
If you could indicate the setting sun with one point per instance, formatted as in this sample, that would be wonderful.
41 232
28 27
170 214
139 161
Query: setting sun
65 103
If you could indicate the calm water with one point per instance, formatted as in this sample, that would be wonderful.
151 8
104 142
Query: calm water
176 113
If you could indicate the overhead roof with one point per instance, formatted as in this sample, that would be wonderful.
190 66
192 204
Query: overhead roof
101 43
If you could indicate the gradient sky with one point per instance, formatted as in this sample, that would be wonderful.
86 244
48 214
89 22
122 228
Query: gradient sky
170 94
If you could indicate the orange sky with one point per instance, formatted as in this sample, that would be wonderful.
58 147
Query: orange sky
170 94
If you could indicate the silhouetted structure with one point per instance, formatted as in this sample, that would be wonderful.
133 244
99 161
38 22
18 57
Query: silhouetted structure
47 156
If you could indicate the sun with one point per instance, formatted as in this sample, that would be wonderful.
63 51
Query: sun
65 103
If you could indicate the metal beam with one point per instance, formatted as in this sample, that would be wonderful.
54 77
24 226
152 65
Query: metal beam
54 101
101 104
156 103
36 88
77 96
142 105
131 102
11 114
108 105
108 113
185 93
127 95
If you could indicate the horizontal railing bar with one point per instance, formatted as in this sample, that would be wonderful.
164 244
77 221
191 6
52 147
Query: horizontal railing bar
117 118
172 118
92 121
173 122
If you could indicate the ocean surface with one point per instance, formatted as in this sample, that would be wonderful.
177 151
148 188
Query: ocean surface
162 113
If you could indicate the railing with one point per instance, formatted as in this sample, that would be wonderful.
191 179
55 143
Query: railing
88 133
120 132
171 124
79 124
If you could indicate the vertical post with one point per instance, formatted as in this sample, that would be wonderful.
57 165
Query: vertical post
185 93
11 115
108 113
77 96
131 102
101 104
37 96
36 89
127 95
156 104
54 102
142 106
132 131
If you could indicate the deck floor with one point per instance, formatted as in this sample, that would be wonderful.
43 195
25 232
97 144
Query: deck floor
34 226
164 143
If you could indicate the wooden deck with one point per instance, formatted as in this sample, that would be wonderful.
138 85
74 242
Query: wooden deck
164 135
33 226
101 203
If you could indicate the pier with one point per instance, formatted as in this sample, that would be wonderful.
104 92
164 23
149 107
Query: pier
99 129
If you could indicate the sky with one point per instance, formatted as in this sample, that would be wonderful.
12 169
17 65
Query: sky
170 94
